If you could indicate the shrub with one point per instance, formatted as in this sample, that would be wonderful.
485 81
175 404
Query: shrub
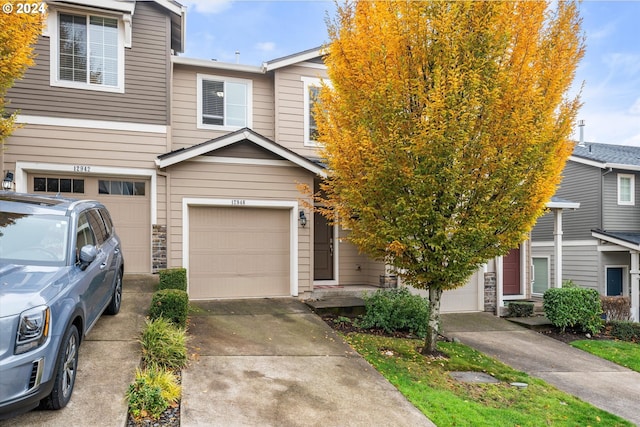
172 304
520 309
573 307
396 310
153 391
625 331
173 278
616 308
164 344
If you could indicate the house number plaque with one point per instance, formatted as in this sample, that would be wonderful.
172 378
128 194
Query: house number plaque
81 168
238 202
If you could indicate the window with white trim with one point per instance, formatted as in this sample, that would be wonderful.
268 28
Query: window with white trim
626 189
87 52
224 103
311 90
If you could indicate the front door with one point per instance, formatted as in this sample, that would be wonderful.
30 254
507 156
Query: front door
511 273
614 281
322 248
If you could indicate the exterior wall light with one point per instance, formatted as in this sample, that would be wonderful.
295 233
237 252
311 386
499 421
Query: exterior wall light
303 219
7 182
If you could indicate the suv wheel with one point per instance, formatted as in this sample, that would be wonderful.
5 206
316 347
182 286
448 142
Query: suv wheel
116 298
66 369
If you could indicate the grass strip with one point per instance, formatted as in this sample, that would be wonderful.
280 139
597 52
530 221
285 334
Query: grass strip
447 402
621 352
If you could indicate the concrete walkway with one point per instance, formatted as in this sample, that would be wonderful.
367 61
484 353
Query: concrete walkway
271 362
107 362
599 382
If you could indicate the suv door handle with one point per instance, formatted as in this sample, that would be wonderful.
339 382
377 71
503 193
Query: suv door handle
103 265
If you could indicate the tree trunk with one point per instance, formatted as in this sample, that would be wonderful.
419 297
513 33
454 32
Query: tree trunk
435 295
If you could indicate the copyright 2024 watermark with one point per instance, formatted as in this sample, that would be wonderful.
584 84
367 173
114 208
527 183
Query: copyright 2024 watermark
24 8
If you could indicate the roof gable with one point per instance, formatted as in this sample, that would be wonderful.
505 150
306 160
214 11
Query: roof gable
239 138
607 156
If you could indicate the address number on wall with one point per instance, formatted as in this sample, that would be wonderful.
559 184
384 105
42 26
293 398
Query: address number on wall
81 168
238 202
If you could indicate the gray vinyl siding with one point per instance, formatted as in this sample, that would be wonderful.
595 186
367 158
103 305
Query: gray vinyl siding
289 104
185 132
620 217
145 99
582 184
580 263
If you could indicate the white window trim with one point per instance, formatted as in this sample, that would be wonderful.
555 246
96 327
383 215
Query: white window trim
53 33
307 83
632 189
248 83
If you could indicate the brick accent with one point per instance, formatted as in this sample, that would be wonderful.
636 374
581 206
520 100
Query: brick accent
490 295
159 248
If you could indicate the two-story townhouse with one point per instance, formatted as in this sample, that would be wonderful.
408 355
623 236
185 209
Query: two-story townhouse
94 111
601 240
199 161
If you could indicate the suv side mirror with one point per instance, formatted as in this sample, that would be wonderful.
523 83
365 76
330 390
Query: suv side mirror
88 254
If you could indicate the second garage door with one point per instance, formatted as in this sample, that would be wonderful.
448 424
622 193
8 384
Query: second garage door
238 252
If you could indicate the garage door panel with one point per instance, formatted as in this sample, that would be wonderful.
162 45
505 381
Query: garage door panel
238 252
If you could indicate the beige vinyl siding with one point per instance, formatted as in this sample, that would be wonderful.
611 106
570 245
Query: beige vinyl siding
185 104
289 103
349 260
198 179
83 146
146 80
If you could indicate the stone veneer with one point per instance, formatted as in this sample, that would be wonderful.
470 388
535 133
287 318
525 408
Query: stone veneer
490 296
159 248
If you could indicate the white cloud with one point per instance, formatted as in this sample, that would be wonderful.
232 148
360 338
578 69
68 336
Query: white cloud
207 6
635 108
266 46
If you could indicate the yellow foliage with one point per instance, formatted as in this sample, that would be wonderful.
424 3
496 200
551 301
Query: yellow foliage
18 34
446 127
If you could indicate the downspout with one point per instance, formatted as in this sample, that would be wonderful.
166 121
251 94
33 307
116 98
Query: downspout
607 172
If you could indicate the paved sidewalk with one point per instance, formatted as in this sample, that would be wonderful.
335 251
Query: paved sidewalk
272 362
108 359
603 384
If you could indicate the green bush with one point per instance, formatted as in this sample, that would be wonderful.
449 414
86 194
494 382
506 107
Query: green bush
172 304
173 278
520 309
573 307
164 344
145 399
396 310
625 331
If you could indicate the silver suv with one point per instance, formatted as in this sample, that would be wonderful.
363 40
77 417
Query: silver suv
61 267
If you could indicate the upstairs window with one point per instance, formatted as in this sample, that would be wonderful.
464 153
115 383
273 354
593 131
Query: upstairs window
311 90
88 52
626 189
224 103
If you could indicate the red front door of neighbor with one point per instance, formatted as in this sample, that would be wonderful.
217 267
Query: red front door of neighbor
511 273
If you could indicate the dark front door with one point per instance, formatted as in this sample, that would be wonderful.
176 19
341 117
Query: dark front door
511 273
614 281
322 248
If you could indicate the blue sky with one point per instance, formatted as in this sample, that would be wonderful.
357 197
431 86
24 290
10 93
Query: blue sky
265 30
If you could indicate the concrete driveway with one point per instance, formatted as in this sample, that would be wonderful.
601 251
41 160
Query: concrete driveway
271 362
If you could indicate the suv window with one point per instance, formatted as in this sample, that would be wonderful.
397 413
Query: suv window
107 221
84 235
98 227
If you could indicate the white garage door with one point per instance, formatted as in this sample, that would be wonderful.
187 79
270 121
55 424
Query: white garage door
127 200
469 297
238 252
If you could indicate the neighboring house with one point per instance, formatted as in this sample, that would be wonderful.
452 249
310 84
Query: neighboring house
601 240
198 161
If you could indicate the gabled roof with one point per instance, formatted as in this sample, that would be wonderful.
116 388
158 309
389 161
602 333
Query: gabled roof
244 134
627 239
295 58
607 155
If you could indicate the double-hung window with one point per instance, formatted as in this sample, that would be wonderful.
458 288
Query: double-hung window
87 52
224 103
626 189
311 90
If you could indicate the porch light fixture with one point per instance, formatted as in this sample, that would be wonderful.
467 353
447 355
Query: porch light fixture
7 181
303 219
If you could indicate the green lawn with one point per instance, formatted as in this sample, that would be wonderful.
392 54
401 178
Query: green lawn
447 402
620 352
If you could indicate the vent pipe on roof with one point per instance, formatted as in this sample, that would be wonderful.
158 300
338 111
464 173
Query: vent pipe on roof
581 126
237 56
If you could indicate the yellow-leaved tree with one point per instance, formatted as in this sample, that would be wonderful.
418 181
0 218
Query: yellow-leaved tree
19 30
445 130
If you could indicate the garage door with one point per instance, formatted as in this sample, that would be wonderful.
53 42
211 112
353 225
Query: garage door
127 200
469 297
238 252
